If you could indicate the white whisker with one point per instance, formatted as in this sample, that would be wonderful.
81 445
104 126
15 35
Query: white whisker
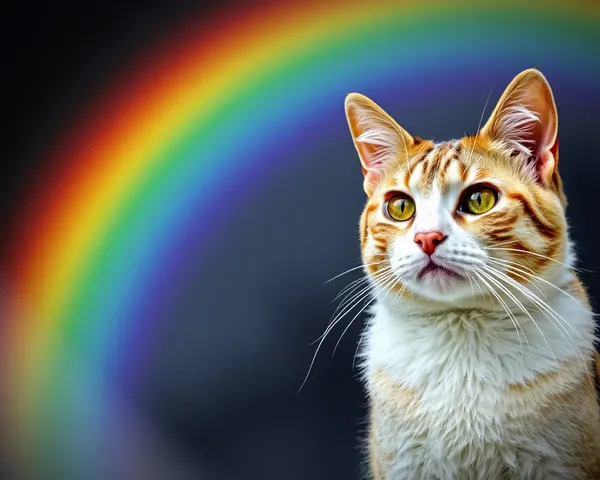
355 299
538 255
512 317
351 287
385 278
521 307
353 269
514 271
548 311
540 279
363 333
389 284
479 126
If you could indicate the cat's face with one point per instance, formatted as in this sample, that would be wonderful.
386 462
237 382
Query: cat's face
454 220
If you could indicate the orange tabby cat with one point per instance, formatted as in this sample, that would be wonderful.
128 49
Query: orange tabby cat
478 357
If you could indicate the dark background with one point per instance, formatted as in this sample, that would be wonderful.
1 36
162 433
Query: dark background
225 405
223 395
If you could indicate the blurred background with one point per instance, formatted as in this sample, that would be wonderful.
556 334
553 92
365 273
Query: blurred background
179 182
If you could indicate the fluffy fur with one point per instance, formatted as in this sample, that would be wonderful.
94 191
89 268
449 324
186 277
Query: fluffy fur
488 374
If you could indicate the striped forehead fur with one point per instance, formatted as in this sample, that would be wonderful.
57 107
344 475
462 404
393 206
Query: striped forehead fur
461 160
435 163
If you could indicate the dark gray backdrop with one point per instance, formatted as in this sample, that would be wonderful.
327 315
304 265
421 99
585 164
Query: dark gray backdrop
223 393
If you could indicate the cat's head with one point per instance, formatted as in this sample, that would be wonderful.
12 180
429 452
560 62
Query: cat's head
452 220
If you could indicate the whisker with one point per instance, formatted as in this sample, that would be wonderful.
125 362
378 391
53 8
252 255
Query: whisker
322 338
355 298
479 126
512 317
465 269
365 330
336 320
360 339
362 294
541 256
520 269
351 287
540 303
399 293
390 282
362 265
483 293
471 283
520 306
508 242
532 296
545 310
360 284
348 297
514 270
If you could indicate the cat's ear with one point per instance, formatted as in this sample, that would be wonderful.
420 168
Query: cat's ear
525 121
377 137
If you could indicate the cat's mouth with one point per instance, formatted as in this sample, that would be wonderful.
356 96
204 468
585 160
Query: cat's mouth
434 271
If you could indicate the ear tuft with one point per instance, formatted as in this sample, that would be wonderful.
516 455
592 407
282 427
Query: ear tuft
377 137
515 128
525 124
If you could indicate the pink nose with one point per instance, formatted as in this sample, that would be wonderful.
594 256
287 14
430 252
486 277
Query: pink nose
428 241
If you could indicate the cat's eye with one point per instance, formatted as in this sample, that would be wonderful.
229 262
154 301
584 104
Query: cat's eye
478 200
400 207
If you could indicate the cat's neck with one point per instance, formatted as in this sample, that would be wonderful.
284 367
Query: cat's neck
430 310
413 343
487 304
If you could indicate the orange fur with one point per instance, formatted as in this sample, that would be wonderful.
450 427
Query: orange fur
528 232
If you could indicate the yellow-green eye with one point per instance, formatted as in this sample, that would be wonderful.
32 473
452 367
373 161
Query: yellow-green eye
400 208
478 200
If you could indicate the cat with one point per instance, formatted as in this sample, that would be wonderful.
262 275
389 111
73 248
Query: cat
478 355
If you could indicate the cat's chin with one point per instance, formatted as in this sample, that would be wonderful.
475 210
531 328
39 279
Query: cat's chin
441 285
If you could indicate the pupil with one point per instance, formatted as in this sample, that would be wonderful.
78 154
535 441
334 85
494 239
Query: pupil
478 198
402 206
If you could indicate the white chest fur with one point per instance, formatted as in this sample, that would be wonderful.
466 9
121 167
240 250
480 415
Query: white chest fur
439 384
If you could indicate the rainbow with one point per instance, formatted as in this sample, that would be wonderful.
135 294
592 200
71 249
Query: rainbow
209 114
